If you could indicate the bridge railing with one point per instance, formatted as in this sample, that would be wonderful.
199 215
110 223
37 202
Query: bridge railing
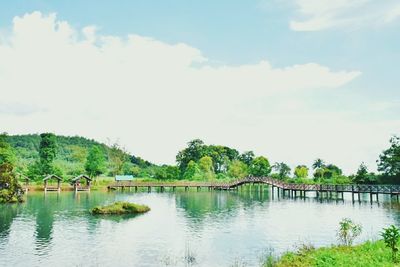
358 188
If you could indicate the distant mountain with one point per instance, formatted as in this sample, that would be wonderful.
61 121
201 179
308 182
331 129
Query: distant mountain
71 152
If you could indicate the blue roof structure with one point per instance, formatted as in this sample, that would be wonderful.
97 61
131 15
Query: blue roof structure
123 178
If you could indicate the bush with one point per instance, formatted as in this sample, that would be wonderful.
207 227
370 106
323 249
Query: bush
348 231
391 236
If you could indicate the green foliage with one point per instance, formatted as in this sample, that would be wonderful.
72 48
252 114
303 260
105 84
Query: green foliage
247 157
117 157
47 152
7 154
363 176
301 171
260 167
389 160
319 169
71 157
221 155
95 162
192 171
391 236
167 172
348 231
194 151
206 167
369 254
10 190
282 169
331 171
238 169
318 164
121 208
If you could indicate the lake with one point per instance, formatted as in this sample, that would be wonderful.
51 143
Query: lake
202 228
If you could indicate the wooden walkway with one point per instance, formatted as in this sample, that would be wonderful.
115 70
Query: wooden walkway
282 187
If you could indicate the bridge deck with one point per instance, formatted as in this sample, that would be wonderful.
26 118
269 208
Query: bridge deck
350 188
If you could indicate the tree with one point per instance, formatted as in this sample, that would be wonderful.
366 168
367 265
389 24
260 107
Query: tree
221 156
391 237
117 157
319 167
10 190
282 169
260 167
331 171
193 152
362 173
247 157
238 169
301 171
47 152
192 171
363 176
77 153
318 163
348 231
389 160
95 162
206 167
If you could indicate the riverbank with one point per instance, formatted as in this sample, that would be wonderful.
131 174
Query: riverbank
368 254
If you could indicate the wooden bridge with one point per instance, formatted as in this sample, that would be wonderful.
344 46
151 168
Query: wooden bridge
281 187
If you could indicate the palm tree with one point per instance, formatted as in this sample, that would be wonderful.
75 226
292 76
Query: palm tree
318 164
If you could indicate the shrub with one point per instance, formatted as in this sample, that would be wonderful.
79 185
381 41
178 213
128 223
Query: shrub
391 236
348 231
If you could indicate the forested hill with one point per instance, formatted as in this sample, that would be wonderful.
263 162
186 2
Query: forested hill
71 154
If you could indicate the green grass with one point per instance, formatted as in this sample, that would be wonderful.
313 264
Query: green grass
368 254
121 208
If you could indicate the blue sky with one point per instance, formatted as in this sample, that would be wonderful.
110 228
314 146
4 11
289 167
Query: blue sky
345 36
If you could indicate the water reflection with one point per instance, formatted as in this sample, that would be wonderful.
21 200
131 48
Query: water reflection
219 226
7 215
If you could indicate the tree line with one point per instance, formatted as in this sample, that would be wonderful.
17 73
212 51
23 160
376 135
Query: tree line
39 155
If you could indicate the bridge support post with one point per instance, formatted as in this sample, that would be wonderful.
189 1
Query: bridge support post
149 189
135 188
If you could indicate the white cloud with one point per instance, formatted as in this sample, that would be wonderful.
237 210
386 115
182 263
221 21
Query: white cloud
315 15
155 96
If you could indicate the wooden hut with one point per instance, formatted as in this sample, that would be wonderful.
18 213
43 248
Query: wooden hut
81 183
50 187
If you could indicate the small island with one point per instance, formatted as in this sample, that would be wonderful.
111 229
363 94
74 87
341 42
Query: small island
120 208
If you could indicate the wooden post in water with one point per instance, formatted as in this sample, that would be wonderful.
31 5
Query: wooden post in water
370 194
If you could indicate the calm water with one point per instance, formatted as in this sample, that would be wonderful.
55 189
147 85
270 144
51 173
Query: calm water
216 228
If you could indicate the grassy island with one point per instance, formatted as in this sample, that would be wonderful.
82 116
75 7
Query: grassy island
121 208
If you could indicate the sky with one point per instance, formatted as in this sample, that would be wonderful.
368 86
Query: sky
293 80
